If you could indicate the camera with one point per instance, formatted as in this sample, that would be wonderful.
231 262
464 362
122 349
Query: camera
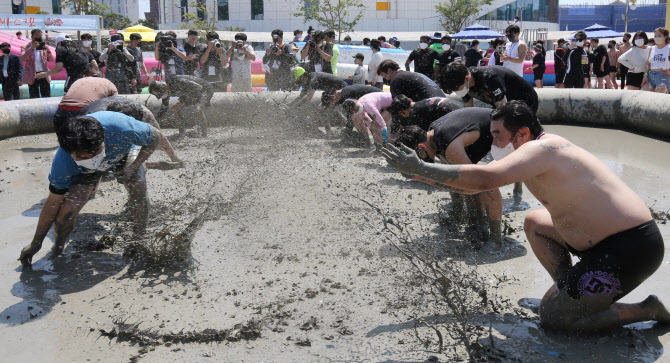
165 40
239 44
501 49
42 44
217 43
119 45
312 44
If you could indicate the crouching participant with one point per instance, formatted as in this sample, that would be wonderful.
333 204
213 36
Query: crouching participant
460 137
91 146
589 213
421 113
192 91
369 113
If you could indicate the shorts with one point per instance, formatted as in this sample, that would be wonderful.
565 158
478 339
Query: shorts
657 78
634 79
600 74
571 82
538 75
616 265
560 75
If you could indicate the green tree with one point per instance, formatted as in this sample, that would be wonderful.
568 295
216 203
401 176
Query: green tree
79 7
149 23
333 14
111 20
192 21
43 12
455 14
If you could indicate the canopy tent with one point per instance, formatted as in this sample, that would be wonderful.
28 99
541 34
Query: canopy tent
148 34
599 31
476 31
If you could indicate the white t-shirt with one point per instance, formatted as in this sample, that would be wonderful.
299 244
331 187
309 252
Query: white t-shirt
38 61
513 52
375 60
241 66
658 58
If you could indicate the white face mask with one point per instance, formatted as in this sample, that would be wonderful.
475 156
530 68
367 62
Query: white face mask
446 47
579 43
499 153
639 42
423 45
361 109
464 91
659 40
94 162
87 43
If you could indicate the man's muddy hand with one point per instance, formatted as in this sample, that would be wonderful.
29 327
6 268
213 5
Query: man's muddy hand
404 159
27 253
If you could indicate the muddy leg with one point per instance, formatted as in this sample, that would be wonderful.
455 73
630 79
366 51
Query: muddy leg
491 204
548 246
179 121
204 123
458 209
75 200
518 191
165 144
138 202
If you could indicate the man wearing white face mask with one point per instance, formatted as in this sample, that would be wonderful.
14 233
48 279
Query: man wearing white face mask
423 58
575 58
447 56
90 147
590 213
460 137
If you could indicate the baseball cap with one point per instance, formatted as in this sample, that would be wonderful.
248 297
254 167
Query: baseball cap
437 36
359 56
297 72
62 37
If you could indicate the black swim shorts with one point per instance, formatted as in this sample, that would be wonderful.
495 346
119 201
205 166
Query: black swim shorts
616 265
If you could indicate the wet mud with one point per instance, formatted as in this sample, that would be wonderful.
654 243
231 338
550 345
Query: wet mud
275 243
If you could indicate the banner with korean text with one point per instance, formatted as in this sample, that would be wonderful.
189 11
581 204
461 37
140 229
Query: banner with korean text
49 22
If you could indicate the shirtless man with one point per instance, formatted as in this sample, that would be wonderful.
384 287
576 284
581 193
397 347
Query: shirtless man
589 212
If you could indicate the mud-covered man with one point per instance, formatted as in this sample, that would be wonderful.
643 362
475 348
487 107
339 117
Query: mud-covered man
90 147
589 213
192 91
421 113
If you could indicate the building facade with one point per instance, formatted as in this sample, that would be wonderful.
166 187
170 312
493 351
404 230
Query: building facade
644 17
33 6
128 8
393 15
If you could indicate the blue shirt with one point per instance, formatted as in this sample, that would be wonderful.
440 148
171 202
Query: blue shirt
122 134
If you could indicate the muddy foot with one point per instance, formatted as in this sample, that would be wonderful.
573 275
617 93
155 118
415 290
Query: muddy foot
659 311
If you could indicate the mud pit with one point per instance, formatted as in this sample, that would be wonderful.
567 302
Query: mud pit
291 260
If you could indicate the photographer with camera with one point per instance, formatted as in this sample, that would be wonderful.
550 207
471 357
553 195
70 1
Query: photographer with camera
213 63
75 59
277 62
193 53
35 55
241 54
87 44
169 54
138 66
117 57
334 52
319 52
499 50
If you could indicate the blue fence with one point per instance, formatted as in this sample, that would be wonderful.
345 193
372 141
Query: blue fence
646 18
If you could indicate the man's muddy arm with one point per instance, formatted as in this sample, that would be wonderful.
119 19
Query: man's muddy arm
443 186
157 138
47 217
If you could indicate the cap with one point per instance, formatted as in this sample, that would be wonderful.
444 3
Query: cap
437 36
297 72
62 37
359 56
116 37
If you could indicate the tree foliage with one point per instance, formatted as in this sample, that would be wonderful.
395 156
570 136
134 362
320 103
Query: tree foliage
111 20
455 14
333 14
192 21
149 23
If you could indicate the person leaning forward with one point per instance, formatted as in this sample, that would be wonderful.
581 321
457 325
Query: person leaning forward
589 212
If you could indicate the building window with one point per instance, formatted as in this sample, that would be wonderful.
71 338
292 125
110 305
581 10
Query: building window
184 8
256 9
201 5
309 4
18 9
55 7
222 9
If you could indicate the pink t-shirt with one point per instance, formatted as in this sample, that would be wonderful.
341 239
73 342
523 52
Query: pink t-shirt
374 103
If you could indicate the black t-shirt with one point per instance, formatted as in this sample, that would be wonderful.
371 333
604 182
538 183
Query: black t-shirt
74 61
189 89
425 112
414 85
211 70
192 65
136 66
539 60
449 127
574 60
447 57
493 83
327 66
472 57
587 67
598 54
326 82
96 55
357 91
423 60
280 63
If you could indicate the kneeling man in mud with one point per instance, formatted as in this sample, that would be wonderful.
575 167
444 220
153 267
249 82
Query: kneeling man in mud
589 213
90 147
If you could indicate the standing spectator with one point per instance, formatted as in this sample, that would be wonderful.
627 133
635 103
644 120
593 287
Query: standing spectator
117 57
383 43
241 54
447 56
601 64
347 40
75 59
359 74
19 35
423 58
319 52
35 55
538 66
277 62
559 64
366 42
335 52
138 66
472 55
636 59
613 55
193 53
623 70
309 34
212 63
588 66
436 42
498 51
373 78
87 44
297 36
516 22
575 57
515 54
170 55
12 73
659 62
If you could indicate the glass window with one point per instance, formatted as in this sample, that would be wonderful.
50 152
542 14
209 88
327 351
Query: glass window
184 8
535 10
309 4
201 5
55 7
222 9
256 9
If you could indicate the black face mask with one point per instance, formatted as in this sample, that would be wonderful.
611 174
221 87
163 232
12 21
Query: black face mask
610 46
5 50
511 37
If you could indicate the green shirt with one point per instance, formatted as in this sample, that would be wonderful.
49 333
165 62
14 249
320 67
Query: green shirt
333 59
437 47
